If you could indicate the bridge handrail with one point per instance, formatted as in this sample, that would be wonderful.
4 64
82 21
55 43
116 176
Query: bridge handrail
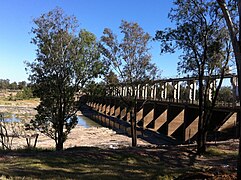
170 89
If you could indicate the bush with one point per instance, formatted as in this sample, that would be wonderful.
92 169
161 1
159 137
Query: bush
25 94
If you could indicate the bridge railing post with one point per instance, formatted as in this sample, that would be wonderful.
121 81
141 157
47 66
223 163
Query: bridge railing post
144 91
163 89
192 91
154 91
212 87
137 91
122 91
176 90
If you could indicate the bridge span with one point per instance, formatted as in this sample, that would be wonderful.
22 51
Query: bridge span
169 107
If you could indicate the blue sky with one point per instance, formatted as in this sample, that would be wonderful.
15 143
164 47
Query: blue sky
94 15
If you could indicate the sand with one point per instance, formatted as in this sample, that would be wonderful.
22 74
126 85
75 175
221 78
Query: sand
80 136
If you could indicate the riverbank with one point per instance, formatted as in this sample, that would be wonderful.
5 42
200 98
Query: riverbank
80 136
19 108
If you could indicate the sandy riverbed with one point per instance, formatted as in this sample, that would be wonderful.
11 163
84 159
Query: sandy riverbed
80 136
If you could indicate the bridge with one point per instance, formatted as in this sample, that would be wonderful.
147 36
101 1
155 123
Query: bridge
167 107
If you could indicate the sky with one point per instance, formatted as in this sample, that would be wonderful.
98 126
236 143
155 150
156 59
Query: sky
16 21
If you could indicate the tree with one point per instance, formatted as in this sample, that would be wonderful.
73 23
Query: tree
130 60
111 78
4 84
94 89
226 95
13 86
206 48
22 85
65 62
232 16
25 93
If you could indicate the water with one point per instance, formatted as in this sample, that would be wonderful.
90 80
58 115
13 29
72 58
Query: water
82 121
86 122
12 118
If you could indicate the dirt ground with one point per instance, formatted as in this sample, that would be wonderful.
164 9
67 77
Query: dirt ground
80 136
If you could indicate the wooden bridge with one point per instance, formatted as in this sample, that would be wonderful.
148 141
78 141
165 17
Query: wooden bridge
168 107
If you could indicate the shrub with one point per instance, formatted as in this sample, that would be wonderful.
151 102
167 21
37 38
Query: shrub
25 94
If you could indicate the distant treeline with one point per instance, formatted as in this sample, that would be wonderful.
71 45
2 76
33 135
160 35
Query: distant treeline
5 84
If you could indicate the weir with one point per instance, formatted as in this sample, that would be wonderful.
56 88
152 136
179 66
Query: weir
167 107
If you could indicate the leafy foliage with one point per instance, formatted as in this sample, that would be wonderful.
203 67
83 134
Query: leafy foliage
204 40
129 59
26 93
226 94
94 89
5 84
65 62
200 34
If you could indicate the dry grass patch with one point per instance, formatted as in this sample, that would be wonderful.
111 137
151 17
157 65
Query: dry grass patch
25 103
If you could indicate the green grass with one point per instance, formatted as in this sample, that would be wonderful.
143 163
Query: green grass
95 163
214 151
83 163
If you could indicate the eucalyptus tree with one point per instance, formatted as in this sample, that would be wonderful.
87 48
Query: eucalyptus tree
206 51
4 84
129 58
66 60
22 84
231 11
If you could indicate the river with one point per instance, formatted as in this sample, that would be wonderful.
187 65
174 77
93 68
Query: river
82 121
86 122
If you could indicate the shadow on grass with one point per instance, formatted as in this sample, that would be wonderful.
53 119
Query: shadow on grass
95 163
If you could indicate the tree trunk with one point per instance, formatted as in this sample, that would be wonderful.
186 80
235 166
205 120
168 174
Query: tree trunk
203 139
237 52
60 146
239 121
204 132
238 64
200 145
60 142
133 127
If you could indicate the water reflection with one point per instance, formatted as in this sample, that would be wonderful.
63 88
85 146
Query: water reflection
82 121
12 118
86 122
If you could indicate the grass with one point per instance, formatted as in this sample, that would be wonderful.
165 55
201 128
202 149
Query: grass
82 163
31 102
95 163
214 151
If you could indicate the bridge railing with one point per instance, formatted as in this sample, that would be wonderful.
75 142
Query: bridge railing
179 90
